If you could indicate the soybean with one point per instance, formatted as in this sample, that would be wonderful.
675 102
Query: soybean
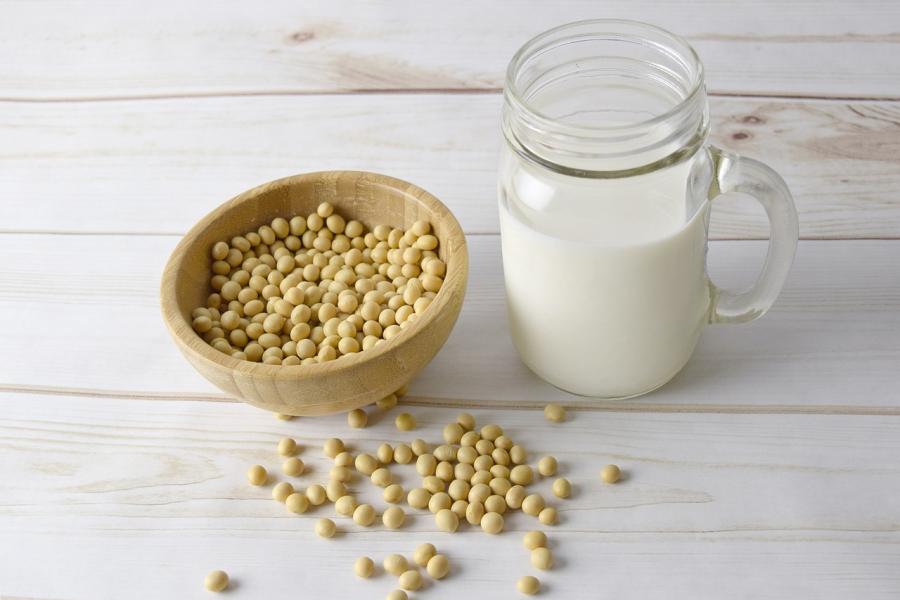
403 454
541 558
528 585
325 528
385 453
293 467
389 401
515 496
364 515
297 503
410 580
344 459
381 477
257 475
554 413
335 490
438 566
610 474
548 516
547 466
492 523
562 488
466 421
364 567
316 494
287 447
474 513
395 564
446 520
453 432
418 498
533 505
333 447
534 539
393 517
405 422
521 475
419 447
345 505
216 581
357 418
393 493
282 490
424 553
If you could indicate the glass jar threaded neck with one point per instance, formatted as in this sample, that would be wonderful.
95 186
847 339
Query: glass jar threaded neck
605 98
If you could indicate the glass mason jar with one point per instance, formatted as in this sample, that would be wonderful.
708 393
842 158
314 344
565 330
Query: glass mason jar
605 186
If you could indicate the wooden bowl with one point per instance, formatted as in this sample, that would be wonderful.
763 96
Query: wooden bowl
351 381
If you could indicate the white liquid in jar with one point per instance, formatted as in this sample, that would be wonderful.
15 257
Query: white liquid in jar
605 280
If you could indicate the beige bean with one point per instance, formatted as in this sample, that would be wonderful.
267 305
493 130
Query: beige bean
547 466
287 447
446 520
554 413
474 513
541 558
257 475
492 523
424 553
528 585
282 490
216 581
405 422
610 474
325 528
393 493
357 418
562 488
364 567
293 467
410 580
548 516
316 494
395 564
364 515
297 503
393 517
534 539
438 566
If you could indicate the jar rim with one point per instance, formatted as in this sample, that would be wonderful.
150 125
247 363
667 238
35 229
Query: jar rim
591 28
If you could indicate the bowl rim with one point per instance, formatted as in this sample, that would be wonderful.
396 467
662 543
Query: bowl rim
181 328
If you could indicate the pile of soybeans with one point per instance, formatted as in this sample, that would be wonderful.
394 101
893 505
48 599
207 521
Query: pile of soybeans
476 477
316 288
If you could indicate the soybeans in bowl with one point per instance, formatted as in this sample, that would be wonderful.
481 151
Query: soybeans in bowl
317 293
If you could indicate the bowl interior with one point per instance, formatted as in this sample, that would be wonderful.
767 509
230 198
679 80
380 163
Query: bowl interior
369 198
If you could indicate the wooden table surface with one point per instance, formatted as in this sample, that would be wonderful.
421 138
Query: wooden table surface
770 468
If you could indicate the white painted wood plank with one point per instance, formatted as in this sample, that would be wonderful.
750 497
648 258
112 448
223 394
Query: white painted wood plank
139 498
158 166
832 48
86 316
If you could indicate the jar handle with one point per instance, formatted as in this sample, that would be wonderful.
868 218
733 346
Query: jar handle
733 173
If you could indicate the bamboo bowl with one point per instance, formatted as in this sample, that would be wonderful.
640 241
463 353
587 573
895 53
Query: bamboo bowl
351 381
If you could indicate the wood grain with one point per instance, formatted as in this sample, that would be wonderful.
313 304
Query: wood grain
158 166
806 503
831 340
354 380
830 48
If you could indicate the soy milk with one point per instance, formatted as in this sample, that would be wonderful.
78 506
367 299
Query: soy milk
605 283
